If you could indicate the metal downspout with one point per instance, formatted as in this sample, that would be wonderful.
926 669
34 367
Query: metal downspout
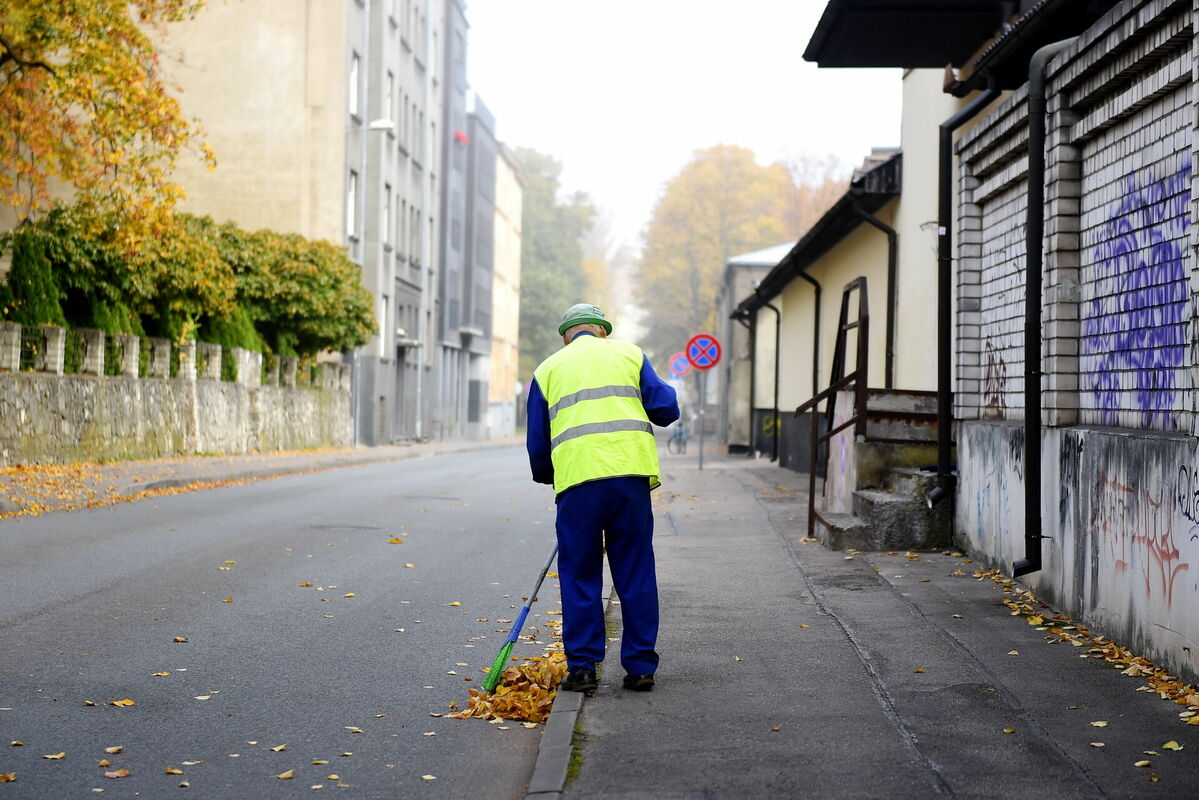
945 478
741 318
815 334
1033 259
778 329
753 382
892 268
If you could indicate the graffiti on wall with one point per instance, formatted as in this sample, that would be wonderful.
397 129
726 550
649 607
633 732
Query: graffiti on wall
994 382
1136 327
1136 526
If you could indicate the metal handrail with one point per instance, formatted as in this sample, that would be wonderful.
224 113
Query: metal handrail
857 379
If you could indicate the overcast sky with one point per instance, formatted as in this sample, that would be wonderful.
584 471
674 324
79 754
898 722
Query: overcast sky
623 91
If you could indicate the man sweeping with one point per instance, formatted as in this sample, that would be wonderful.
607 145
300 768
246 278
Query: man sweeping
590 407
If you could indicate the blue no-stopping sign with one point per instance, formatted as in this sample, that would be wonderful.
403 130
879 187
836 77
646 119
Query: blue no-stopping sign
679 365
703 351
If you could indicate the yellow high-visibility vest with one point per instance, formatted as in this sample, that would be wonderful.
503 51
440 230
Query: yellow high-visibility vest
598 427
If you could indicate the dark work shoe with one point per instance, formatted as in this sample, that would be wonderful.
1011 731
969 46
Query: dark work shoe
639 683
579 679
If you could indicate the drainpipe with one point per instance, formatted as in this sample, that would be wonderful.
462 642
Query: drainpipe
1033 246
892 265
741 318
945 478
815 335
753 382
778 328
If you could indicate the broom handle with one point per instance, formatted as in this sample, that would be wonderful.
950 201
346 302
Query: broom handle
524 611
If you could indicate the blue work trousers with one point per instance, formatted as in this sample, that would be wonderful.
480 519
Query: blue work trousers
616 513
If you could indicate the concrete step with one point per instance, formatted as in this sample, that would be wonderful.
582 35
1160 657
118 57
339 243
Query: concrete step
842 531
911 481
896 427
899 401
898 521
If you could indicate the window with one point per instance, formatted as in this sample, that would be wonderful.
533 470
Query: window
352 206
355 77
402 227
389 88
385 216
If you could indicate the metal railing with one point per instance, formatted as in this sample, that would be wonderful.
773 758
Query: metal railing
839 382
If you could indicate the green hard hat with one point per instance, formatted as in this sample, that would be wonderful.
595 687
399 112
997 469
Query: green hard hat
581 314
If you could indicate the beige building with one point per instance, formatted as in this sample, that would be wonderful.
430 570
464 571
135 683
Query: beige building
503 394
323 117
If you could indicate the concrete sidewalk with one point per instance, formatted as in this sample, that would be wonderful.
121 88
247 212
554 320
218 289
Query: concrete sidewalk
792 671
37 488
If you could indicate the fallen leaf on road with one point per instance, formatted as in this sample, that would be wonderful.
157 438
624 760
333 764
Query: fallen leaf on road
54 757
117 773
1142 763
203 697
1009 730
88 703
1099 724
230 562
395 540
435 714
455 603
224 569
737 658
280 748
349 594
410 566
429 733
173 771
17 743
1154 778
179 639
1097 744
227 600
333 777
7 777
286 776
428 777
775 729
1013 652
1171 745
528 724
104 762
352 729
159 674
112 751
305 584
192 763
345 755
918 669
123 703
184 784
805 626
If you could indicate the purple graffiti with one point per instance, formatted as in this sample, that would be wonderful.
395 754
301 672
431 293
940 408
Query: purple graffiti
1136 325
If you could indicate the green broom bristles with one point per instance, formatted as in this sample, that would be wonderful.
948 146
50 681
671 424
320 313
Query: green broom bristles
497 668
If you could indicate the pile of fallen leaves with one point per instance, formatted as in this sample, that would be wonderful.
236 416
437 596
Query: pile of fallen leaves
525 691
1060 628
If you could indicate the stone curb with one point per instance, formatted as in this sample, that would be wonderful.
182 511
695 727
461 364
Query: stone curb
553 755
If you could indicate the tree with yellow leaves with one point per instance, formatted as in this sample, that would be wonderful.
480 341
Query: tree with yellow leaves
83 104
721 204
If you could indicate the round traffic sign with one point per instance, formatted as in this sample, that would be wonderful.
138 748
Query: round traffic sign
703 351
679 365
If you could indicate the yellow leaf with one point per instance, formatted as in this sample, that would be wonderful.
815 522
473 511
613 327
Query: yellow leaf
775 729
352 729
1096 744
305 584
124 703
349 594
455 603
320 761
7 777
280 748
1035 620
104 762
1013 652
117 773
179 639
410 566
428 777
286 776
227 600
173 771
1172 745
230 562
1009 730
1099 724
54 757
805 626
333 777
1142 763
112 751
395 540
918 669
160 674
17 743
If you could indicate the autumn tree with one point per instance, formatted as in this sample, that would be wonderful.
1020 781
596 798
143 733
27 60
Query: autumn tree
818 183
552 277
84 105
721 204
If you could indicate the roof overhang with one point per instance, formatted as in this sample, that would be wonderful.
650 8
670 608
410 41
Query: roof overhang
868 192
905 33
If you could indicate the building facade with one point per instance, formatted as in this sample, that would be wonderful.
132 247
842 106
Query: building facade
504 411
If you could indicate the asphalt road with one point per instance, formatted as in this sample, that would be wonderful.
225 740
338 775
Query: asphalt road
92 601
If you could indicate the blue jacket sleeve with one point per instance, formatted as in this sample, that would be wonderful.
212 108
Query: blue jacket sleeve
658 397
537 435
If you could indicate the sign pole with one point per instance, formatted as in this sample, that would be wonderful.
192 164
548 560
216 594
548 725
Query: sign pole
703 397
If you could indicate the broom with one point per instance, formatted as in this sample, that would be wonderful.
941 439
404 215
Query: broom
497 666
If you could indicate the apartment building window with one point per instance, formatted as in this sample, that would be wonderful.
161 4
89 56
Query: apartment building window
385 216
352 206
389 88
355 77
414 234
402 228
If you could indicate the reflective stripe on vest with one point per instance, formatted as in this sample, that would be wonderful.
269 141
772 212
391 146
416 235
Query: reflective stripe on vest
598 427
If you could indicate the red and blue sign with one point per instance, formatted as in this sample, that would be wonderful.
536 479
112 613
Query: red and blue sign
679 365
703 351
